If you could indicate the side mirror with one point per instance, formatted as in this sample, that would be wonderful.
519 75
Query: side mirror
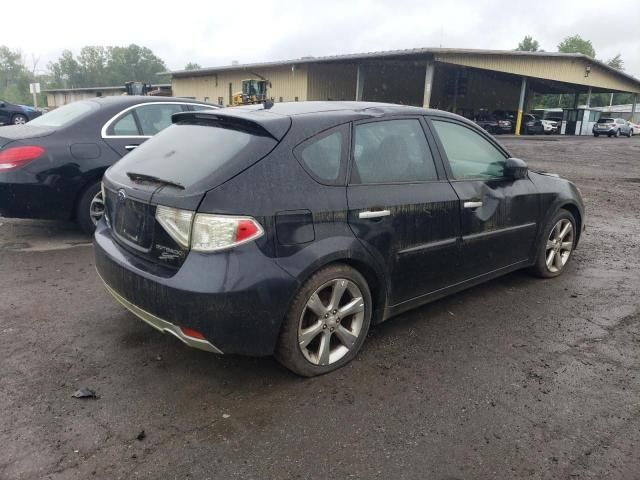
515 168
2 104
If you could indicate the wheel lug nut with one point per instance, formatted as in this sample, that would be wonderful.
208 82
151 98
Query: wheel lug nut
337 320
326 315
331 329
335 311
324 326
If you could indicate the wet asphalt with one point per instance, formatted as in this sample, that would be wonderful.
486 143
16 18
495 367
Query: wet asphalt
516 378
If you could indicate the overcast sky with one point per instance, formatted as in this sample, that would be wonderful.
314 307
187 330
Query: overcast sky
216 32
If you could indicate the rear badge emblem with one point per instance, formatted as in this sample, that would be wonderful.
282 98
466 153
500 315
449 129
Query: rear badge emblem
121 196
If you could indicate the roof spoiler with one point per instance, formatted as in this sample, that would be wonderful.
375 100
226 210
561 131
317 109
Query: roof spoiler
275 126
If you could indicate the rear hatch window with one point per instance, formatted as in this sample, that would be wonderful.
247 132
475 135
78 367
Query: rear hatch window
194 157
605 120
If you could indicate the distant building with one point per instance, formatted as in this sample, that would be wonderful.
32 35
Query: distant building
462 81
56 97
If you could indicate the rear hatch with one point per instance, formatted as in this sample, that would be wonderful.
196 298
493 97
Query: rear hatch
175 169
605 123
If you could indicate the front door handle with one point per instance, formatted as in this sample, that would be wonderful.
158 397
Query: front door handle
374 214
472 204
131 147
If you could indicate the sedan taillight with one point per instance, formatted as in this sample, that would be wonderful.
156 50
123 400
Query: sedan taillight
16 157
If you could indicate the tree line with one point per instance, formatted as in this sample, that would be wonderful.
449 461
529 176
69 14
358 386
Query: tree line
94 66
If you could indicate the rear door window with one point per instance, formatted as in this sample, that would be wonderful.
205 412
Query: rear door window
154 117
391 151
126 126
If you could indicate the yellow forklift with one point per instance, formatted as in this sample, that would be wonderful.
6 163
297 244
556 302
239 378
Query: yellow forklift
253 91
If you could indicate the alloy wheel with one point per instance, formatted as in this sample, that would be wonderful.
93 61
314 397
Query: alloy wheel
331 322
96 208
559 245
19 120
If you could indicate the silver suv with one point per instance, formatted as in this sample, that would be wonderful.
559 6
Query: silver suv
612 127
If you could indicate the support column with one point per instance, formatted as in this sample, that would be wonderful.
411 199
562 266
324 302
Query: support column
589 97
428 83
359 83
634 101
523 90
455 91
576 99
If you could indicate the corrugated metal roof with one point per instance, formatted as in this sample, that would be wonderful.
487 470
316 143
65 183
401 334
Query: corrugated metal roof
392 54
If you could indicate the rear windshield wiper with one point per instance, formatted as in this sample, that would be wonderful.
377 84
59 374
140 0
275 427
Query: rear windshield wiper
141 177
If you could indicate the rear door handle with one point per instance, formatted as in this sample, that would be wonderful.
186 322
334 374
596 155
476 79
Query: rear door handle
131 147
374 214
472 204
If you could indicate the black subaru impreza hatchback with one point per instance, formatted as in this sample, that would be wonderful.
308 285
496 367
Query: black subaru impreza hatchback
290 230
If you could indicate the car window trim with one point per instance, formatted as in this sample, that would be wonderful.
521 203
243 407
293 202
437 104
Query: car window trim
104 132
351 160
443 153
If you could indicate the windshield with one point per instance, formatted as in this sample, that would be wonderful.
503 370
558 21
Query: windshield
63 116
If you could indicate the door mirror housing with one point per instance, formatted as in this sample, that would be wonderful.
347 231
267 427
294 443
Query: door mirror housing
515 168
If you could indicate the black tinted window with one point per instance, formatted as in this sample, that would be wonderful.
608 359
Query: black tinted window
392 151
470 155
323 156
190 155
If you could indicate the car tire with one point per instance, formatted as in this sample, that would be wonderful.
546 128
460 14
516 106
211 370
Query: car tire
630 134
19 119
617 134
596 135
89 208
314 318
556 245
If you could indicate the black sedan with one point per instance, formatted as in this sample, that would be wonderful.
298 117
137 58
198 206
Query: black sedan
11 114
51 167
291 230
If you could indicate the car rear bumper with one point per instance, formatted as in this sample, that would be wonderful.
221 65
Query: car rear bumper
609 131
235 300
160 324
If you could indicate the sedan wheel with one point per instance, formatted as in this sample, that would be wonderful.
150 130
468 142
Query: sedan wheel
96 208
19 120
559 245
331 322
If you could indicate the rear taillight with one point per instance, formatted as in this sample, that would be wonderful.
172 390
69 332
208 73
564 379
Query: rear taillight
211 233
177 223
16 157
204 232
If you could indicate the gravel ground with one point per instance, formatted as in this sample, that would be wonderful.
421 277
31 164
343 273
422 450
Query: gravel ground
517 378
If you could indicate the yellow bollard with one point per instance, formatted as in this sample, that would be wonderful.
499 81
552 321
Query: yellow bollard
518 122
